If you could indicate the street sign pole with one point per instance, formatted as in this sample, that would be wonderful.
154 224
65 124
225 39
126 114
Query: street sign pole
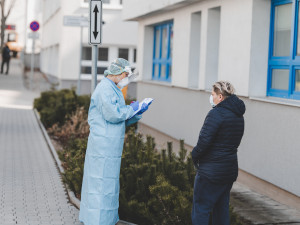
95 34
80 56
94 67
32 62
34 26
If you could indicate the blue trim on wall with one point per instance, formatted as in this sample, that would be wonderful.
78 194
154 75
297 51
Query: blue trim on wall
291 62
162 61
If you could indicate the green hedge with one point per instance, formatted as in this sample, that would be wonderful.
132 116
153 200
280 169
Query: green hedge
58 106
72 158
156 187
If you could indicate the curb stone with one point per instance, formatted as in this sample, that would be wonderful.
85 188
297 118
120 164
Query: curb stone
75 201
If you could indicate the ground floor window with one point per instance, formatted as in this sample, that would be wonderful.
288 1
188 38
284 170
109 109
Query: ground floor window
284 51
162 52
88 70
123 53
103 54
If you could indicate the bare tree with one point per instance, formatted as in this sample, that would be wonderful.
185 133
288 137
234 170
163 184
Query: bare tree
4 17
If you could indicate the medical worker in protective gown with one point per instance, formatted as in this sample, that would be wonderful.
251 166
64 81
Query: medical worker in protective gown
108 116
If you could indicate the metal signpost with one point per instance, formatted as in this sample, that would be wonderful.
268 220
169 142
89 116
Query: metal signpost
77 21
95 33
34 26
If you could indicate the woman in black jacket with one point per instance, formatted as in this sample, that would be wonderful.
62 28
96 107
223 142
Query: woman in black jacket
215 156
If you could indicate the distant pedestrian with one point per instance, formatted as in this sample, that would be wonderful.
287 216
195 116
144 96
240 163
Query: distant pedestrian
215 156
5 58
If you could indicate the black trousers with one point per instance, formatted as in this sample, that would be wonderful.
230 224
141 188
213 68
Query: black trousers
5 61
210 197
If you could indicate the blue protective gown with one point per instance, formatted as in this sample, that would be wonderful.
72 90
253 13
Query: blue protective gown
108 116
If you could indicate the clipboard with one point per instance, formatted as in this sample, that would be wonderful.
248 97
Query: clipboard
148 101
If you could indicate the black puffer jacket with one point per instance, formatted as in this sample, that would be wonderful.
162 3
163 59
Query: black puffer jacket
215 155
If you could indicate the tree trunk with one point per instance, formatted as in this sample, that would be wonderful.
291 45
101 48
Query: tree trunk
3 19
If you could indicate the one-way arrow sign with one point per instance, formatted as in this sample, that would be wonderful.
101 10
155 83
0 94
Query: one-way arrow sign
95 22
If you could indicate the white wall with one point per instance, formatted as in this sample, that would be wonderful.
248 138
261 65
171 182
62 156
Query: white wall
235 43
66 40
259 48
50 60
233 55
194 51
212 46
270 146
137 8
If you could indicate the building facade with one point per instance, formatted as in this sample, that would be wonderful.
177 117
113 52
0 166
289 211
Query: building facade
66 54
185 46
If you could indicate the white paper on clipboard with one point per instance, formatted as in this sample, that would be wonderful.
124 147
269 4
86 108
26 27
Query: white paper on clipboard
147 101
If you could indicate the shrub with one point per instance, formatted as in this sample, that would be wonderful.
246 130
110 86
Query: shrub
76 127
58 106
72 158
156 188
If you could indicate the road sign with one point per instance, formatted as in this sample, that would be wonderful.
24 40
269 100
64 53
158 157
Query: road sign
10 27
76 21
34 26
95 27
33 35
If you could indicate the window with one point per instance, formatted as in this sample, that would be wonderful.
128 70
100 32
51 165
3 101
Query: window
100 70
134 55
88 70
86 53
162 52
123 53
103 54
284 52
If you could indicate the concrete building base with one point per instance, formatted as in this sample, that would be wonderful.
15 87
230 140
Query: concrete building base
265 188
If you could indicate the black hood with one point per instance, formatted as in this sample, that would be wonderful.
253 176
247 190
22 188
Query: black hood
234 104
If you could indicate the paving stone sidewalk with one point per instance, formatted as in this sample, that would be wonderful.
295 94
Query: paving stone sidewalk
31 189
255 208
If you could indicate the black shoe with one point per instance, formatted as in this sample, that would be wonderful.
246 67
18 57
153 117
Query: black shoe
6 73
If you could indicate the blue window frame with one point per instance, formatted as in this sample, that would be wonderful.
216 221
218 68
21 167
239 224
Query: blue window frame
284 50
162 52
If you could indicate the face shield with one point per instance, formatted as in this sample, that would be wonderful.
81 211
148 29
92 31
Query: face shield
131 77
132 73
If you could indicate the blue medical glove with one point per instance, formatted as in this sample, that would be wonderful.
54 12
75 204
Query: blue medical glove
135 105
143 109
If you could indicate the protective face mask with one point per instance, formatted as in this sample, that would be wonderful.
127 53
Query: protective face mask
123 83
211 101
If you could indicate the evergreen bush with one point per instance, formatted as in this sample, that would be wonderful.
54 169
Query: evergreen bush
58 106
72 158
156 188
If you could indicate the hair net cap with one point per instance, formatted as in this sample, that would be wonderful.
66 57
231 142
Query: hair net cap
117 67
